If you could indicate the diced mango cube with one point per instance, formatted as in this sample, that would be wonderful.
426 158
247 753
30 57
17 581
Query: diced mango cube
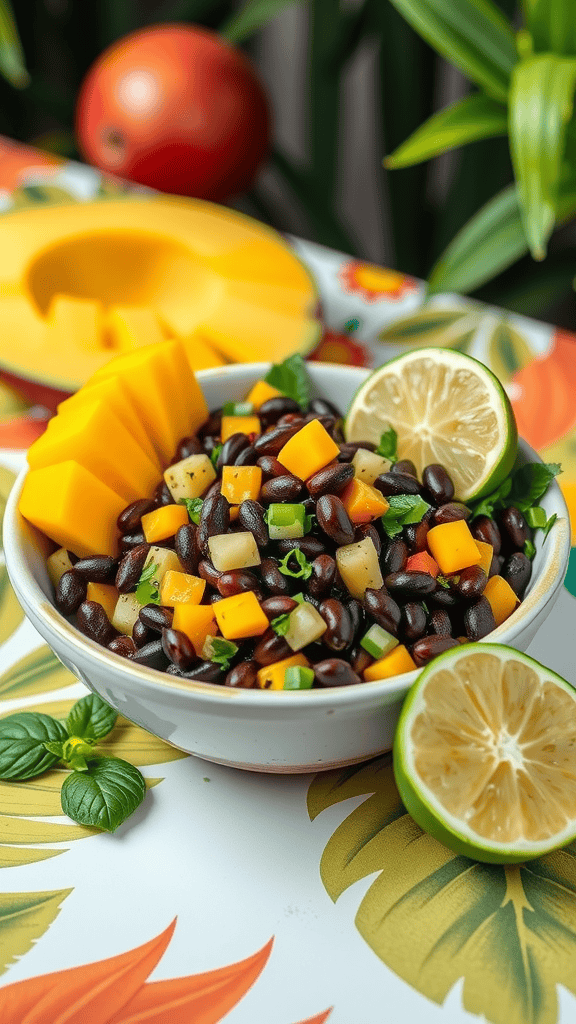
453 546
363 502
197 621
181 588
394 664
241 483
501 598
423 562
163 522
240 616
57 564
105 594
486 554
238 425
72 507
262 392
271 677
309 450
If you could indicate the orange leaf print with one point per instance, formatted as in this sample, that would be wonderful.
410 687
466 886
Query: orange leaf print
318 1019
544 393
20 431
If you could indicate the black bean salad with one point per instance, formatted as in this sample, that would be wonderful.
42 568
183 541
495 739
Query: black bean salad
273 554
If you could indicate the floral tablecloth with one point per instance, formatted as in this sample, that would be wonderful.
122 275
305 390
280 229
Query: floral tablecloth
267 899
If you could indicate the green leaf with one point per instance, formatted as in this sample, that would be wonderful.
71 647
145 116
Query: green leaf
219 651
305 569
531 481
105 795
147 591
281 624
472 118
552 25
529 549
193 507
24 918
404 509
38 672
215 454
536 517
12 65
472 34
291 378
388 445
11 612
22 738
540 106
252 17
91 718
548 526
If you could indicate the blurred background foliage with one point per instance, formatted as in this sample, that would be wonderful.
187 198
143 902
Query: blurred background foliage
444 211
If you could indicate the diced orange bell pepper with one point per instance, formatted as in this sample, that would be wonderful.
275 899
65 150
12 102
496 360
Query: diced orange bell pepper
501 598
240 616
423 562
262 392
363 502
234 513
163 522
181 588
271 677
197 621
241 483
238 425
453 546
394 664
104 594
486 553
309 450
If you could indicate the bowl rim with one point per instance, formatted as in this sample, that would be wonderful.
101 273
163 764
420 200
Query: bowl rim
31 596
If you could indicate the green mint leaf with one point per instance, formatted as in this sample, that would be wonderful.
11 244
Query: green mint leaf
304 571
281 624
91 718
529 549
237 409
291 378
404 509
531 481
148 572
388 446
104 795
536 517
146 593
548 526
193 507
443 582
215 454
218 650
393 528
417 512
22 738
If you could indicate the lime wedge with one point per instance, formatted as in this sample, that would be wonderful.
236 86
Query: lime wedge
446 408
485 754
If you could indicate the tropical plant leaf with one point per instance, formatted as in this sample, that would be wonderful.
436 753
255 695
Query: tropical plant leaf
17 831
552 25
508 351
252 17
435 326
434 917
472 118
540 106
472 34
7 478
39 797
17 856
12 65
24 917
38 672
11 613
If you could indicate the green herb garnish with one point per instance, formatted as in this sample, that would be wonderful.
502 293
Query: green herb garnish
237 409
220 651
291 378
536 517
298 677
305 570
388 446
404 509
529 549
193 507
443 582
147 589
548 526
100 791
215 454
522 489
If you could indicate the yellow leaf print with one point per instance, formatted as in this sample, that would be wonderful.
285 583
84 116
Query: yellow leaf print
38 672
11 614
24 917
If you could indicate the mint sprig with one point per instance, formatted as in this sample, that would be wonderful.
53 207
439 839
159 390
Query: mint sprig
388 446
404 509
100 791
215 454
291 378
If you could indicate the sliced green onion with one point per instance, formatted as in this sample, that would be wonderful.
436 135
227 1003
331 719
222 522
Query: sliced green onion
237 409
378 642
536 517
286 521
298 677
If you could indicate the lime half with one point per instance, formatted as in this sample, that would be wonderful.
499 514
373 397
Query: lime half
485 754
446 408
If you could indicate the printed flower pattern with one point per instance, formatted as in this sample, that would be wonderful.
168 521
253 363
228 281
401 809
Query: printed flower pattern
375 284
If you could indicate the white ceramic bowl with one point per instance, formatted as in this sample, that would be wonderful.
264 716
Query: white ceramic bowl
254 729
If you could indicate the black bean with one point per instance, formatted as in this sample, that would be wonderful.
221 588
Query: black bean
451 513
274 581
131 541
340 631
231 449
238 581
323 575
310 547
330 480
471 583
328 422
251 517
274 440
334 520
93 621
335 672
213 598
290 418
179 648
383 609
276 407
396 483
322 407
141 634
151 655
156 617
360 660
369 530
517 570
270 466
415 535
410 583
404 466
122 645
97 569
243 675
279 604
130 568
395 556
485 529
211 444
70 592
349 448
163 495
187 549
129 520
202 672
188 446
430 646
214 520
247 457
440 622
209 572
271 648
515 527
281 488
413 623
213 425
479 620
356 613
496 565
444 598
438 483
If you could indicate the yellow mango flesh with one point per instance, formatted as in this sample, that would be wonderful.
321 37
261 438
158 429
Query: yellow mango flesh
200 353
309 450
132 327
80 321
72 507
